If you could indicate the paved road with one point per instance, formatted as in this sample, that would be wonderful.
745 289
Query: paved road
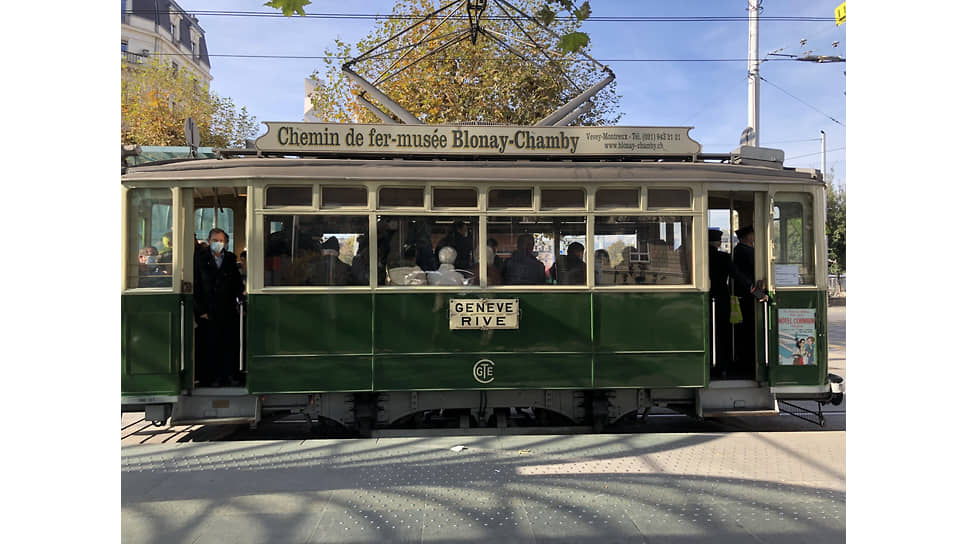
670 488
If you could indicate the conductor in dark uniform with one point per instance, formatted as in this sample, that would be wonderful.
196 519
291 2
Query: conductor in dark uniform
749 294
720 268
218 286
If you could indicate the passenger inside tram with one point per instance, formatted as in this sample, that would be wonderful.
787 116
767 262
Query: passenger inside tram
328 269
572 266
447 273
523 268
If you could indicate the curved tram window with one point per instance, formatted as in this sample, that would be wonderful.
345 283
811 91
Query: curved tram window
632 250
150 241
316 250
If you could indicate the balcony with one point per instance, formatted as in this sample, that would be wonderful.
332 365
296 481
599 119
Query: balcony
132 57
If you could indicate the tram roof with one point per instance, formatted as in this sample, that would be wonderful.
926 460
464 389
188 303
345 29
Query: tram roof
712 168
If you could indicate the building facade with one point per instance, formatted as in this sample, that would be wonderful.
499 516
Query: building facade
161 28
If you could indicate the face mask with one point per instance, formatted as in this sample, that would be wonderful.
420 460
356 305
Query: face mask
151 259
217 246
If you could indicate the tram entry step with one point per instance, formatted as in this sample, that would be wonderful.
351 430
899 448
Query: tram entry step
216 406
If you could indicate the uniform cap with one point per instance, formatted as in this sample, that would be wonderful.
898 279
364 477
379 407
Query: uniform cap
715 235
331 243
743 231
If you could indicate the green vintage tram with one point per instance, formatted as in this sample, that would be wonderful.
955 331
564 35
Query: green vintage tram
575 288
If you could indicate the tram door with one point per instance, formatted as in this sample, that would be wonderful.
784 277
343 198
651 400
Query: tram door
799 341
155 314
219 341
740 345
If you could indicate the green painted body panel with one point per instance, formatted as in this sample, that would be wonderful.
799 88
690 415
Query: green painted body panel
651 370
309 373
807 374
667 333
402 341
309 342
650 321
150 343
456 371
419 323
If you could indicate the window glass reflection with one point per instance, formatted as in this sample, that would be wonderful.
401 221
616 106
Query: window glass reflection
316 250
631 250
536 250
427 250
150 241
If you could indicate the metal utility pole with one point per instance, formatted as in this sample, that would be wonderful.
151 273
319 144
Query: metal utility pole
754 72
823 155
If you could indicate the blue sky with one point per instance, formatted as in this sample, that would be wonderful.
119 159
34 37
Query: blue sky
797 99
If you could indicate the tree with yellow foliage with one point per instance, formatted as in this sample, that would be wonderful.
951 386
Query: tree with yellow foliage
502 78
156 98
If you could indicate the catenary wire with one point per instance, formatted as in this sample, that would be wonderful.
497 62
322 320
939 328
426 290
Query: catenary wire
802 101
614 19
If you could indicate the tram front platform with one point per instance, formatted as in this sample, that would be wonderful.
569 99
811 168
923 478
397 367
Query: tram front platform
764 487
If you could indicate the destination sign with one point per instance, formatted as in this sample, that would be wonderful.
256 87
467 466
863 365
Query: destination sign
468 313
476 140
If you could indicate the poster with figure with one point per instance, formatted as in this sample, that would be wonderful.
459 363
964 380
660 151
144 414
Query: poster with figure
797 336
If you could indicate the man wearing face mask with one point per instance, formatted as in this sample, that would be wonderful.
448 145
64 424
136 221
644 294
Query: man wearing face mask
218 287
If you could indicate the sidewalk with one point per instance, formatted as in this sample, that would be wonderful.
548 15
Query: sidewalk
675 488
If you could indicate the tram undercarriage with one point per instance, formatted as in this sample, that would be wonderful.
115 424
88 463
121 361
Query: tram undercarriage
592 410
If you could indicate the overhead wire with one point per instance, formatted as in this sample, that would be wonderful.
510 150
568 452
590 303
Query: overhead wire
322 57
803 102
613 19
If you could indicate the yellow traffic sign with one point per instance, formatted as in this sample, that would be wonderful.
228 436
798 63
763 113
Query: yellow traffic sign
841 14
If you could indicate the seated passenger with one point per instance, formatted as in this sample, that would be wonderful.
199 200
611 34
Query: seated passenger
360 269
459 239
572 269
446 274
523 268
603 267
408 273
329 270
150 273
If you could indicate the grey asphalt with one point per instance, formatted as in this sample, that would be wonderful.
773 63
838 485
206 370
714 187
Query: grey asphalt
671 488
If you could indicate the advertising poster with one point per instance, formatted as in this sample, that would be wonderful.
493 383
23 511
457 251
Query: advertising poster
797 336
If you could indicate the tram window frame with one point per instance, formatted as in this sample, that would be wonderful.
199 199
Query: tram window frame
380 205
650 190
308 258
435 206
308 206
542 206
426 260
807 265
503 208
611 207
136 240
646 266
342 205
557 255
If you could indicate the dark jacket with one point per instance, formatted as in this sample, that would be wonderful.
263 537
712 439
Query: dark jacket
329 270
743 259
216 289
524 269
721 268
571 271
